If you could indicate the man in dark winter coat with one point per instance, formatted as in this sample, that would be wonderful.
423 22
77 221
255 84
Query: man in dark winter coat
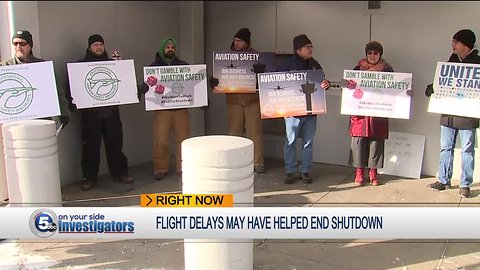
303 127
98 122
451 125
22 41
177 120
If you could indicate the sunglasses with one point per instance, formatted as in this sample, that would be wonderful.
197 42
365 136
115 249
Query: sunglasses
373 52
20 43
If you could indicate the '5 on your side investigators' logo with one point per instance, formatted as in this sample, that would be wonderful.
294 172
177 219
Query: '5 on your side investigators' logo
43 223
101 83
16 93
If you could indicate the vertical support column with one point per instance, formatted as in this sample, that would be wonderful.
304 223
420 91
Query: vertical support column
5 30
31 163
191 49
3 176
219 164
25 17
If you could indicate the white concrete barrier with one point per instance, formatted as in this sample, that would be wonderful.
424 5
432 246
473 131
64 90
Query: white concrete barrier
31 163
219 164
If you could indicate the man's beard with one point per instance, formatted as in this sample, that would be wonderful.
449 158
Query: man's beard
169 55
20 54
99 52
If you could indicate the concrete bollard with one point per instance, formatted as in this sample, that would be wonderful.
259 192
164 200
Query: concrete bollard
219 164
31 163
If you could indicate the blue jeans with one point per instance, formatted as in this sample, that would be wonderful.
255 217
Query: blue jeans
447 141
299 127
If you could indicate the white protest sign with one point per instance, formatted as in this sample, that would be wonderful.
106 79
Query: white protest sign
456 90
381 94
102 83
174 87
28 91
403 154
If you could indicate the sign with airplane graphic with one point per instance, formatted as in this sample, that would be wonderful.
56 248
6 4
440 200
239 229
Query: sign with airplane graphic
102 83
28 91
236 72
291 93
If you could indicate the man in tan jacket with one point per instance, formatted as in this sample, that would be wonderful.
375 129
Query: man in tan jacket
165 121
244 109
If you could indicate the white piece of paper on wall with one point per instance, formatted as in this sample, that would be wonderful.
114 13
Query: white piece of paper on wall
403 154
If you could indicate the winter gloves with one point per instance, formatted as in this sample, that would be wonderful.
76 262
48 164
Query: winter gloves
429 90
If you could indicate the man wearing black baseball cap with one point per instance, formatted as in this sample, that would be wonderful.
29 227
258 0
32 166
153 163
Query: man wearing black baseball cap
463 51
22 42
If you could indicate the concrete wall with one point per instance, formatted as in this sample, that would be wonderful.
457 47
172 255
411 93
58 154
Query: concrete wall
415 36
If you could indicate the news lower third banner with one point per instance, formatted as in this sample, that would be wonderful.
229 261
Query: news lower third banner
456 90
239 223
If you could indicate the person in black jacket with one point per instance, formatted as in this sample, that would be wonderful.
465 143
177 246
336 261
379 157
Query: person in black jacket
451 125
303 127
164 121
98 122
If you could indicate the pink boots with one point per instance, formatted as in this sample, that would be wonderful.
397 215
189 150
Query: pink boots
359 176
372 175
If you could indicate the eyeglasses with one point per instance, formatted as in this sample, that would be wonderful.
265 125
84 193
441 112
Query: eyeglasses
20 43
373 52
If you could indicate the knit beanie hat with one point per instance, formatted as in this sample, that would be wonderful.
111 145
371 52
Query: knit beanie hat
374 46
24 34
466 37
164 43
244 34
300 41
95 38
